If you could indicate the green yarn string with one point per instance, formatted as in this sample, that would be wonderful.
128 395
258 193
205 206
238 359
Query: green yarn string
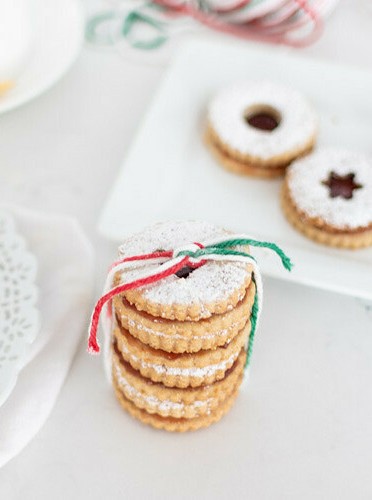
136 17
226 248
254 317
92 34
286 261
214 250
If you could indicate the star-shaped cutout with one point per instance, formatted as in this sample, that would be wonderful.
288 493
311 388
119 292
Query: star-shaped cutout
341 185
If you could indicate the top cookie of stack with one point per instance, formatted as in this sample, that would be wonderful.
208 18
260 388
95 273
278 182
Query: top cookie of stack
183 338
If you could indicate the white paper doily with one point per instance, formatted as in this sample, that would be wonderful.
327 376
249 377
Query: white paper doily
19 318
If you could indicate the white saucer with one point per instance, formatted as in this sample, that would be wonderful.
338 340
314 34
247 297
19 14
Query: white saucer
58 36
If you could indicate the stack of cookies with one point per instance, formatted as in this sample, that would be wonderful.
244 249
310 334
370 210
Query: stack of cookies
179 345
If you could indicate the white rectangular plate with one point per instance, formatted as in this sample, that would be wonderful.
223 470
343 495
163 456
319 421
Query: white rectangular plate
169 174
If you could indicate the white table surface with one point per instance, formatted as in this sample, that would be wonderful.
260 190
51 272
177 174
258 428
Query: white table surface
61 153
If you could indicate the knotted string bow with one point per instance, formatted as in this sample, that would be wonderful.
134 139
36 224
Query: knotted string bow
170 262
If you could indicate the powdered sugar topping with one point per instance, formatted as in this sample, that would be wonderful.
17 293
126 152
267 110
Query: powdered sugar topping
212 282
305 181
226 114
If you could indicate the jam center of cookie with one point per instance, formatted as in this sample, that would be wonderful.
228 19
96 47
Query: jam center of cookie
341 185
184 272
263 118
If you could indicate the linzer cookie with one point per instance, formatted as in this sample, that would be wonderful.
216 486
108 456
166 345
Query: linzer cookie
327 196
259 128
184 295
183 306
177 424
189 402
180 370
